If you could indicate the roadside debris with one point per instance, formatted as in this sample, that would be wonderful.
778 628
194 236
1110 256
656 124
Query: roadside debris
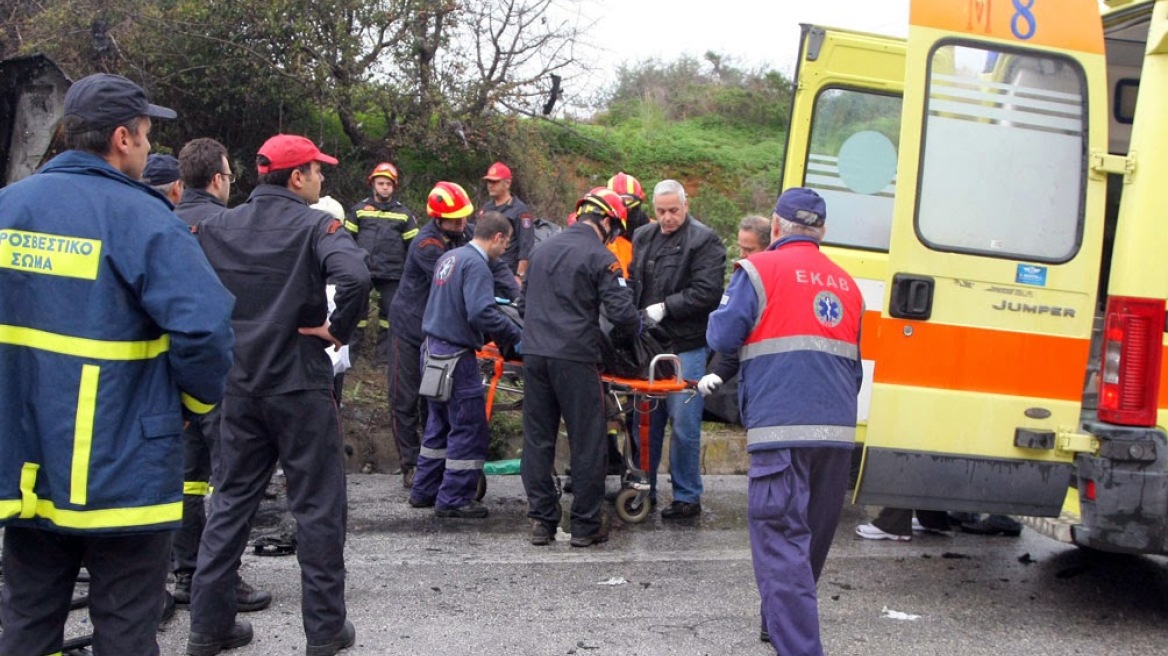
898 615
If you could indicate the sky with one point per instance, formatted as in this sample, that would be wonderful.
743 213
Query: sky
753 32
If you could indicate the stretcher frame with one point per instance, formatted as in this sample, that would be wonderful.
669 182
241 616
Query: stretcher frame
632 502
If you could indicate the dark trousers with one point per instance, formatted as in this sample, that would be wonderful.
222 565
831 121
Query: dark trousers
553 388
407 410
898 521
299 430
385 291
457 437
794 500
200 439
127 587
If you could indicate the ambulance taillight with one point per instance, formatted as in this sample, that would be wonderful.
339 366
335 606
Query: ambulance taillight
1129 382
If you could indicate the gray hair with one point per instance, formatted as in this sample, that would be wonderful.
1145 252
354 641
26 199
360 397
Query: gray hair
666 187
164 189
792 229
759 225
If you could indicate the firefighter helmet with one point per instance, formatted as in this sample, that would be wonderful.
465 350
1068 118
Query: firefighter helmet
448 200
605 202
384 170
628 187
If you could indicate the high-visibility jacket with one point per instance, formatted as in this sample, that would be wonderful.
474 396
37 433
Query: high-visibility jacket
385 231
623 250
793 316
111 320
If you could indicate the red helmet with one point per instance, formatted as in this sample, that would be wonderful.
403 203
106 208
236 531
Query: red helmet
605 202
385 170
628 187
448 200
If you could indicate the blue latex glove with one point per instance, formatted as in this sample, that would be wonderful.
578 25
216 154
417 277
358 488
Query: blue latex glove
499 300
519 347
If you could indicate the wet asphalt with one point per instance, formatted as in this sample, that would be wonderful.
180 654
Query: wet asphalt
424 586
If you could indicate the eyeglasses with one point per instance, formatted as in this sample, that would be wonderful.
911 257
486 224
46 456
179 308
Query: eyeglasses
230 176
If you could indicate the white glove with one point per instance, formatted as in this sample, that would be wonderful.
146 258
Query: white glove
656 312
709 383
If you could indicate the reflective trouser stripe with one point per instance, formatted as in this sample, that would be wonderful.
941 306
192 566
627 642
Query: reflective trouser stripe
81 347
362 323
196 406
433 454
806 433
383 323
196 488
464 464
83 434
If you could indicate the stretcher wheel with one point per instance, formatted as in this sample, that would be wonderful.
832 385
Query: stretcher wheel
482 489
632 506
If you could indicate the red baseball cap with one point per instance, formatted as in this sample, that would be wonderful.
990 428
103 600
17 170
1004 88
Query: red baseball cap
498 171
287 151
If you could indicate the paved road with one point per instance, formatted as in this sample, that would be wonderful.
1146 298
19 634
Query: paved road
425 587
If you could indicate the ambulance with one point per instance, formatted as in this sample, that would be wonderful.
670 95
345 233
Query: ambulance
998 184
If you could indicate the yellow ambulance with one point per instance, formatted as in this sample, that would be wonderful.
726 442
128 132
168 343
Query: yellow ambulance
998 183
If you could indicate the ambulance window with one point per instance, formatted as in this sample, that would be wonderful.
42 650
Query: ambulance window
852 164
1126 92
1002 160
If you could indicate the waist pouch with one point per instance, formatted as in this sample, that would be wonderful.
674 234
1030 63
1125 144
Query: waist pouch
438 376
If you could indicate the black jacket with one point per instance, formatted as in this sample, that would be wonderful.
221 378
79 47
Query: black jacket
275 253
688 276
385 231
569 277
197 206
522 230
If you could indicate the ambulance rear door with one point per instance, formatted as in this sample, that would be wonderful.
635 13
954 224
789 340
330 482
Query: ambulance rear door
845 123
993 263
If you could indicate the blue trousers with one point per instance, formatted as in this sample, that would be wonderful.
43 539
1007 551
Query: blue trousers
683 410
454 445
793 505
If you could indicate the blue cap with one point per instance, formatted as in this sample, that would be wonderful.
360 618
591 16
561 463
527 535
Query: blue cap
160 170
802 205
104 100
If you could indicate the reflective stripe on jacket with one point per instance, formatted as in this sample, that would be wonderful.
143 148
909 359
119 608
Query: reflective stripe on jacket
793 316
111 320
384 231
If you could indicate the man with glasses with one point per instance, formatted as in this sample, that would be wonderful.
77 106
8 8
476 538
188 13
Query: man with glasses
206 177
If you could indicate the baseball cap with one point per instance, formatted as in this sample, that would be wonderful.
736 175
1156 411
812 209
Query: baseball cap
160 170
287 151
104 100
498 171
802 205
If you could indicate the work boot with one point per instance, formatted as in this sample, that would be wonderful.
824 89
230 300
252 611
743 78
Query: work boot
993 525
472 510
541 533
205 644
248 599
582 541
763 634
343 640
182 587
407 472
417 502
681 510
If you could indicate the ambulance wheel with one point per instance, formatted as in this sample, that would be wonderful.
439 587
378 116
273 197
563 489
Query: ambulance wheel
632 506
482 489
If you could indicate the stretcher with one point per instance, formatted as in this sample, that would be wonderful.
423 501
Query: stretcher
632 502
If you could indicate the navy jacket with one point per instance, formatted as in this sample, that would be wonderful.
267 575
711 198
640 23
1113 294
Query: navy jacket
522 230
111 320
275 253
462 309
384 231
197 205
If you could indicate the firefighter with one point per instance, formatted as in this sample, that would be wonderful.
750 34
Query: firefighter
113 321
449 206
276 253
460 313
793 315
573 276
384 227
498 179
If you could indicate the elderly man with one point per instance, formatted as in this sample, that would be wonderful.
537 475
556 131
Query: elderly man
794 318
133 326
161 173
678 266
